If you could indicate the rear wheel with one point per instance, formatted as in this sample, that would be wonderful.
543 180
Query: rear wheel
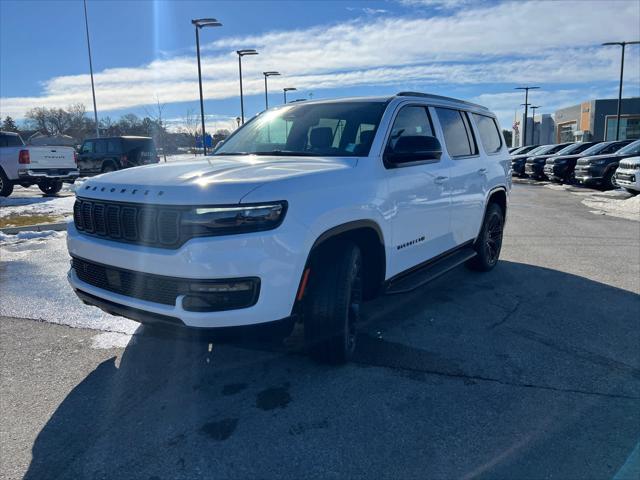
489 242
109 167
50 187
6 187
331 310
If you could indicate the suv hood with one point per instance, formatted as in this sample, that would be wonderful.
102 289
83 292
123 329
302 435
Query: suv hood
538 158
215 180
584 160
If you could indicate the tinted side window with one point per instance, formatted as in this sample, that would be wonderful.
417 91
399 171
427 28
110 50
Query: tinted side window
4 140
489 133
87 147
113 146
101 146
411 121
455 132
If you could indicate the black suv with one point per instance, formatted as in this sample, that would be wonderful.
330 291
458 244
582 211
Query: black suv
534 166
518 161
100 155
561 168
599 169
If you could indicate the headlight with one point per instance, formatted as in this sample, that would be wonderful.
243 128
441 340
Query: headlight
229 220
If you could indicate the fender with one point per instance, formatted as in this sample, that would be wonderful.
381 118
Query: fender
486 204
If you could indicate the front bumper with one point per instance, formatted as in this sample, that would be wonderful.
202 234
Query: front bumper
587 175
39 174
629 179
534 170
276 257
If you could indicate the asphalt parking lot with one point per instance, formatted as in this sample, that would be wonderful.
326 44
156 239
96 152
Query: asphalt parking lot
530 371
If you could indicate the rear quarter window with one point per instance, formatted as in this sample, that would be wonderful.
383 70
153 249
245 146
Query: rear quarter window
10 141
457 133
488 132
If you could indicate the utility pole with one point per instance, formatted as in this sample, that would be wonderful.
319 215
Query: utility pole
93 90
526 112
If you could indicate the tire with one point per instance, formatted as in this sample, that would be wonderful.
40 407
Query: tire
632 192
6 187
109 167
609 181
331 309
50 187
489 241
570 178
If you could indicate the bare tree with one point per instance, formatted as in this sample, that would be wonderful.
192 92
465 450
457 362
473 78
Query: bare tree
190 127
160 126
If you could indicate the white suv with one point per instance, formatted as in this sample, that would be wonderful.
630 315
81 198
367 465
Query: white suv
628 175
303 213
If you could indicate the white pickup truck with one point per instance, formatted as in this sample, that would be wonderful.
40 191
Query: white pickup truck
47 167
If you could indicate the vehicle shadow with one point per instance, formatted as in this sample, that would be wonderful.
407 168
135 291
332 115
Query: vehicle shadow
523 353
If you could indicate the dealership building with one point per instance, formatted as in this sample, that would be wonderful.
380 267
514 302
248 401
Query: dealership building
594 120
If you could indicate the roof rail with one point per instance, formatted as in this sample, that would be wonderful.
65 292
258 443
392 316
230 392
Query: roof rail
439 97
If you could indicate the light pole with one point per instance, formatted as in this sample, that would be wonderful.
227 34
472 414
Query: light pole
526 112
201 23
287 89
93 90
622 44
266 95
242 53
533 122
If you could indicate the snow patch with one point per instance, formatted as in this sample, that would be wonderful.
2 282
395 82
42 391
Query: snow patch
58 206
610 205
28 235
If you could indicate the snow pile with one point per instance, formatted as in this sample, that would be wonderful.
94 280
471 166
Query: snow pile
23 236
53 206
33 284
608 205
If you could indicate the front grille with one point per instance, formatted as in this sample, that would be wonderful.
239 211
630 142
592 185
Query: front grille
157 226
164 289
629 166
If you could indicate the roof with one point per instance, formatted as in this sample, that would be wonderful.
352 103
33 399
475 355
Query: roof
430 96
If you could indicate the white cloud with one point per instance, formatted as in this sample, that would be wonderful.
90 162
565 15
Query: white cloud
547 43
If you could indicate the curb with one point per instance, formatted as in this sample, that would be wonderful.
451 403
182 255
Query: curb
57 227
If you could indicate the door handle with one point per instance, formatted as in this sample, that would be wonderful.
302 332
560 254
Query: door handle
482 171
440 180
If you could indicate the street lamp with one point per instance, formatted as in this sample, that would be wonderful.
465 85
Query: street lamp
622 44
287 89
533 122
526 111
242 53
201 23
266 96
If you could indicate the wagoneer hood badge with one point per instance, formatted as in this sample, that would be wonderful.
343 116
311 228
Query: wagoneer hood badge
220 180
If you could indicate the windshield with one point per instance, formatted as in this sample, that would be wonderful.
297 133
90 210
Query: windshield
575 148
597 148
344 129
631 148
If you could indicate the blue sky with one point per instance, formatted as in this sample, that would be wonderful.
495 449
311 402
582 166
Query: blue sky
144 51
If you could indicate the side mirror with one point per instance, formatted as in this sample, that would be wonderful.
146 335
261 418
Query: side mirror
413 149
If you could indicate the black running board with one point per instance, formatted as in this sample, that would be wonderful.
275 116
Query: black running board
429 271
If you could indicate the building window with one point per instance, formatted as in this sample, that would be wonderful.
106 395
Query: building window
629 127
566 132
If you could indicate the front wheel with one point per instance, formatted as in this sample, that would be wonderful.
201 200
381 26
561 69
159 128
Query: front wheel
632 192
609 182
489 242
331 309
50 187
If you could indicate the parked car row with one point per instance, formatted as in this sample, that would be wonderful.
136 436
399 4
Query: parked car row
585 163
49 167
